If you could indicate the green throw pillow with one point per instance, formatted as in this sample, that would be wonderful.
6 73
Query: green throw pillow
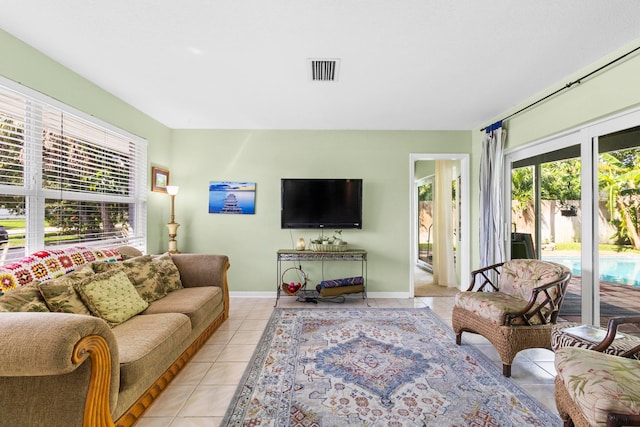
101 267
23 298
111 296
168 272
60 295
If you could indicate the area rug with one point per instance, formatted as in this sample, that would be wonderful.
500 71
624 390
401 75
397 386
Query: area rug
374 367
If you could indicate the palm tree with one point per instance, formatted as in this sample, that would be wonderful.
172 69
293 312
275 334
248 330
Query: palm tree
619 178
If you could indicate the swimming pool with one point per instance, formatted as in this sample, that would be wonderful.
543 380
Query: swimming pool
623 270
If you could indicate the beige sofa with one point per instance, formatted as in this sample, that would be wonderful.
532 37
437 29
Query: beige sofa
62 369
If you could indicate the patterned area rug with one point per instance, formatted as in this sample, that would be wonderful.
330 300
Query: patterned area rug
374 367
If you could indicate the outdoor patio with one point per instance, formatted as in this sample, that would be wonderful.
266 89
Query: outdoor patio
615 300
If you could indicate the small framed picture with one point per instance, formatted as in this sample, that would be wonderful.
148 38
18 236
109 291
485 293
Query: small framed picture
159 179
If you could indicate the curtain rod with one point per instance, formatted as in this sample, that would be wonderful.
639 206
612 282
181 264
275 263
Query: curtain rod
567 86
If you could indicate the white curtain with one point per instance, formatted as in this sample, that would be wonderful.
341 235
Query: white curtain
491 188
444 272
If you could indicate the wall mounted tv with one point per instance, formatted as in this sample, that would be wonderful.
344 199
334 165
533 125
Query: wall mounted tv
321 203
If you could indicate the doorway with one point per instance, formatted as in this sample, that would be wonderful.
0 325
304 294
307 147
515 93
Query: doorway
425 221
423 240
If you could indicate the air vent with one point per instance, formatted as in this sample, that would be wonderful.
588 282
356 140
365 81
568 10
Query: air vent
324 70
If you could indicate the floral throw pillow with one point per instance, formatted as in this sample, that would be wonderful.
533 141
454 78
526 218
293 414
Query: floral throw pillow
60 295
111 296
167 271
143 274
25 298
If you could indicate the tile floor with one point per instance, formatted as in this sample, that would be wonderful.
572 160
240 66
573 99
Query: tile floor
199 395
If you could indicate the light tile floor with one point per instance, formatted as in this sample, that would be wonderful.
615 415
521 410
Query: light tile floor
200 394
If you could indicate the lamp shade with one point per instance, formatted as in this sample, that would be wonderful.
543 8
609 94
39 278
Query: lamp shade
172 189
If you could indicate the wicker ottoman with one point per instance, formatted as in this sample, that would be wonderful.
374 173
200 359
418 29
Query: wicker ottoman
560 338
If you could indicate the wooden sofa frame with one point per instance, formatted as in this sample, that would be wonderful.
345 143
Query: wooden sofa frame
97 412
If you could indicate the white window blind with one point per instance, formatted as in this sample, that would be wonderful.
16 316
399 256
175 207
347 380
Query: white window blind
66 178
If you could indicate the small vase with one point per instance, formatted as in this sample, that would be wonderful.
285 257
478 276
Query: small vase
301 245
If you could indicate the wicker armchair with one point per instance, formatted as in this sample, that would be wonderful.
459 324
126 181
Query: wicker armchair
595 388
513 304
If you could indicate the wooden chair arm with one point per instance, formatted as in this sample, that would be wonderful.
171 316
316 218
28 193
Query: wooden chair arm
612 329
485 277
537 308
619 420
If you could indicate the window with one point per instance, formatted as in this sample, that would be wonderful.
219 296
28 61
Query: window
66 178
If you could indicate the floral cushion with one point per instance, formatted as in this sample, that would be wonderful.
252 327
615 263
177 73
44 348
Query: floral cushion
599 383
168 272
52 263
60 294
492 306
520 276
111 296
24 298
143 273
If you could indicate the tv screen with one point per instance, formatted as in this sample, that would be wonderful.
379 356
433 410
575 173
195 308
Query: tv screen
321 203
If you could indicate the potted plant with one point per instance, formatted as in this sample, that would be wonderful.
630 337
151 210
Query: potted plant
337 238
568 210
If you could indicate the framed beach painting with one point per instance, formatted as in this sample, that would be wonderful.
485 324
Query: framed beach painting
159 179
226 197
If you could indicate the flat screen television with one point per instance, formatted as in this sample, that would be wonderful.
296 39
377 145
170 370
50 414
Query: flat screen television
321 203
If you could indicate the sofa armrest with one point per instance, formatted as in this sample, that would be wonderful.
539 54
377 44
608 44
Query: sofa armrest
204 270
43 362
43 343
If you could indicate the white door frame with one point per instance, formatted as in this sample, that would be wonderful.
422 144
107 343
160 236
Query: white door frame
464 239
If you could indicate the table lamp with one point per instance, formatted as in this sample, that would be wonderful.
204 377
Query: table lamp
172 190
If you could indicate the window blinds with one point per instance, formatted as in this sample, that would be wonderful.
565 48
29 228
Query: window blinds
68 177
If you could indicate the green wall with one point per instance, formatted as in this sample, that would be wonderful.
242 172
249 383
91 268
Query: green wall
608 92
380 158
196 157
25 65
614 90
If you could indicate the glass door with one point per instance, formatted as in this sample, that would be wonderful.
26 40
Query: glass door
425 223
546 216
618 255
578 196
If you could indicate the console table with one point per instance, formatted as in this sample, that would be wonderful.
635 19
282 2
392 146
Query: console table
358 255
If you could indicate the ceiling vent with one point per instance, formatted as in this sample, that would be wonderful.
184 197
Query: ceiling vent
324 70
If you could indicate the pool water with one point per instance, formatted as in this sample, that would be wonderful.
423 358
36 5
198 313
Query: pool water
622 270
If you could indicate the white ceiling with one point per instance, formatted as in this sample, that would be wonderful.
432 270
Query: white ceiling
404 64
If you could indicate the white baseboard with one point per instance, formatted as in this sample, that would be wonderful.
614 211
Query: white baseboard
271 294
396 295
252 294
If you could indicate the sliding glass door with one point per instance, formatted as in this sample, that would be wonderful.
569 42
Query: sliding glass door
576 199
546 215
618 253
